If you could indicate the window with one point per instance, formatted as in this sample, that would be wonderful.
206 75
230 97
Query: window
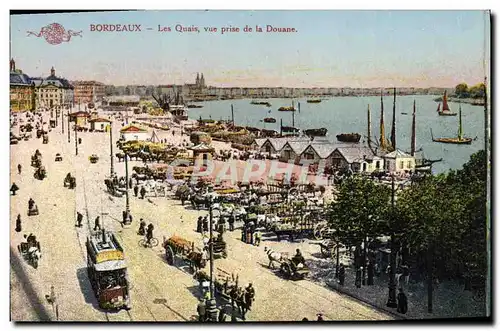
401 164
409 164
364 166
309 156
377 164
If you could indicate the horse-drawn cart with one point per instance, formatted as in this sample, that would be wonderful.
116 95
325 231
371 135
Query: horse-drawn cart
180 248
292 270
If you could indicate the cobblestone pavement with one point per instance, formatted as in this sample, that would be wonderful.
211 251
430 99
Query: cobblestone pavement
63 263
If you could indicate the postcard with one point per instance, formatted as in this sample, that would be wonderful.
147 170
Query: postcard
250 166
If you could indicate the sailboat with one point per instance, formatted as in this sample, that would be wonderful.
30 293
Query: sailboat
446 110
458 140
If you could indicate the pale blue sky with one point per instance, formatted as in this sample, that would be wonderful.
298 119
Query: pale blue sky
330 49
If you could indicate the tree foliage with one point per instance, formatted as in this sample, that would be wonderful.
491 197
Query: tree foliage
475 92
445 214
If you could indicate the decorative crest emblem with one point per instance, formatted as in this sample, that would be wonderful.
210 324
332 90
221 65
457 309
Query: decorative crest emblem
55 34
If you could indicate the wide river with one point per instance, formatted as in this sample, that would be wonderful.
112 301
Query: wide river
349 114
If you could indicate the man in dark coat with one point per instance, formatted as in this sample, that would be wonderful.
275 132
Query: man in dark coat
19 168
205 224
14 188
18 223
97 224
130 183
341 274
149 233
199 225
143 192
402 302
31 204
79 219
136 190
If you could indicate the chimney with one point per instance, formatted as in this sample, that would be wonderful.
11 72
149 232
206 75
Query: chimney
12 65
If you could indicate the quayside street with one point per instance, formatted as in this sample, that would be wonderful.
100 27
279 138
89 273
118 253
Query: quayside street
159 292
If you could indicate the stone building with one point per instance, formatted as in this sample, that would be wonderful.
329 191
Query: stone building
22 90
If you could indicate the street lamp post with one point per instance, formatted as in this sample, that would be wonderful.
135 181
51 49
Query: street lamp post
128 217
76 138
69 136
391 301
212 306
112 170
62 121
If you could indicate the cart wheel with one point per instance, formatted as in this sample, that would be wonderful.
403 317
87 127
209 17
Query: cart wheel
318 231
287 271
324 252
169 255
142 242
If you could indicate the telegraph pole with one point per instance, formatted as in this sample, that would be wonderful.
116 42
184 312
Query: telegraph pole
62 121
391 301
128 218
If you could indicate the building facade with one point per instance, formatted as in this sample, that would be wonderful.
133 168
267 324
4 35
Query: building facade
88 92
53 91
22 90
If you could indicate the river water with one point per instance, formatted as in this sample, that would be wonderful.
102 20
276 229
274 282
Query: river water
349 114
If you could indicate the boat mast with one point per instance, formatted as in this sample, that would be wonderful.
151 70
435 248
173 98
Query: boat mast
413 133
293 118
393 129
439 107
460 133
383 145
369 128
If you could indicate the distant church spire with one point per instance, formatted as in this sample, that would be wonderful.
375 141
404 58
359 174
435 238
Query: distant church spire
197 79
202 81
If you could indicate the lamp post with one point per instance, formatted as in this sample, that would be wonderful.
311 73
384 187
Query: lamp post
391 301
76 138
212 306
127 216
112 170
69 136
62 121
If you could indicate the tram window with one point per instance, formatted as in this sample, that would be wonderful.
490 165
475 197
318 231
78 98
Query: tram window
110 279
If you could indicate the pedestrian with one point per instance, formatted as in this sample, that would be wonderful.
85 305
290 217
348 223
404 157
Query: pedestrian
201 309
205 224
402 302
19 168
341 274
136 190
130 183
143 192
79 219
142 228
149 233
305 319
97 224
257 238
231 222
320 317
18 223
370 273
14 188
199 225
357 282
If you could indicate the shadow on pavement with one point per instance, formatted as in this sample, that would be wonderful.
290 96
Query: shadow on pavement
33 297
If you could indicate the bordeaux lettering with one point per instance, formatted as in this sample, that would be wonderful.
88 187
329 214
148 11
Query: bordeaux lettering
115 27
270 28
180 28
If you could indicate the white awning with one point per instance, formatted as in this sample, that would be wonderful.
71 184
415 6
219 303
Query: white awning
110 265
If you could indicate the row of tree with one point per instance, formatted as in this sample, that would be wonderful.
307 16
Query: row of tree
477 91
438 222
